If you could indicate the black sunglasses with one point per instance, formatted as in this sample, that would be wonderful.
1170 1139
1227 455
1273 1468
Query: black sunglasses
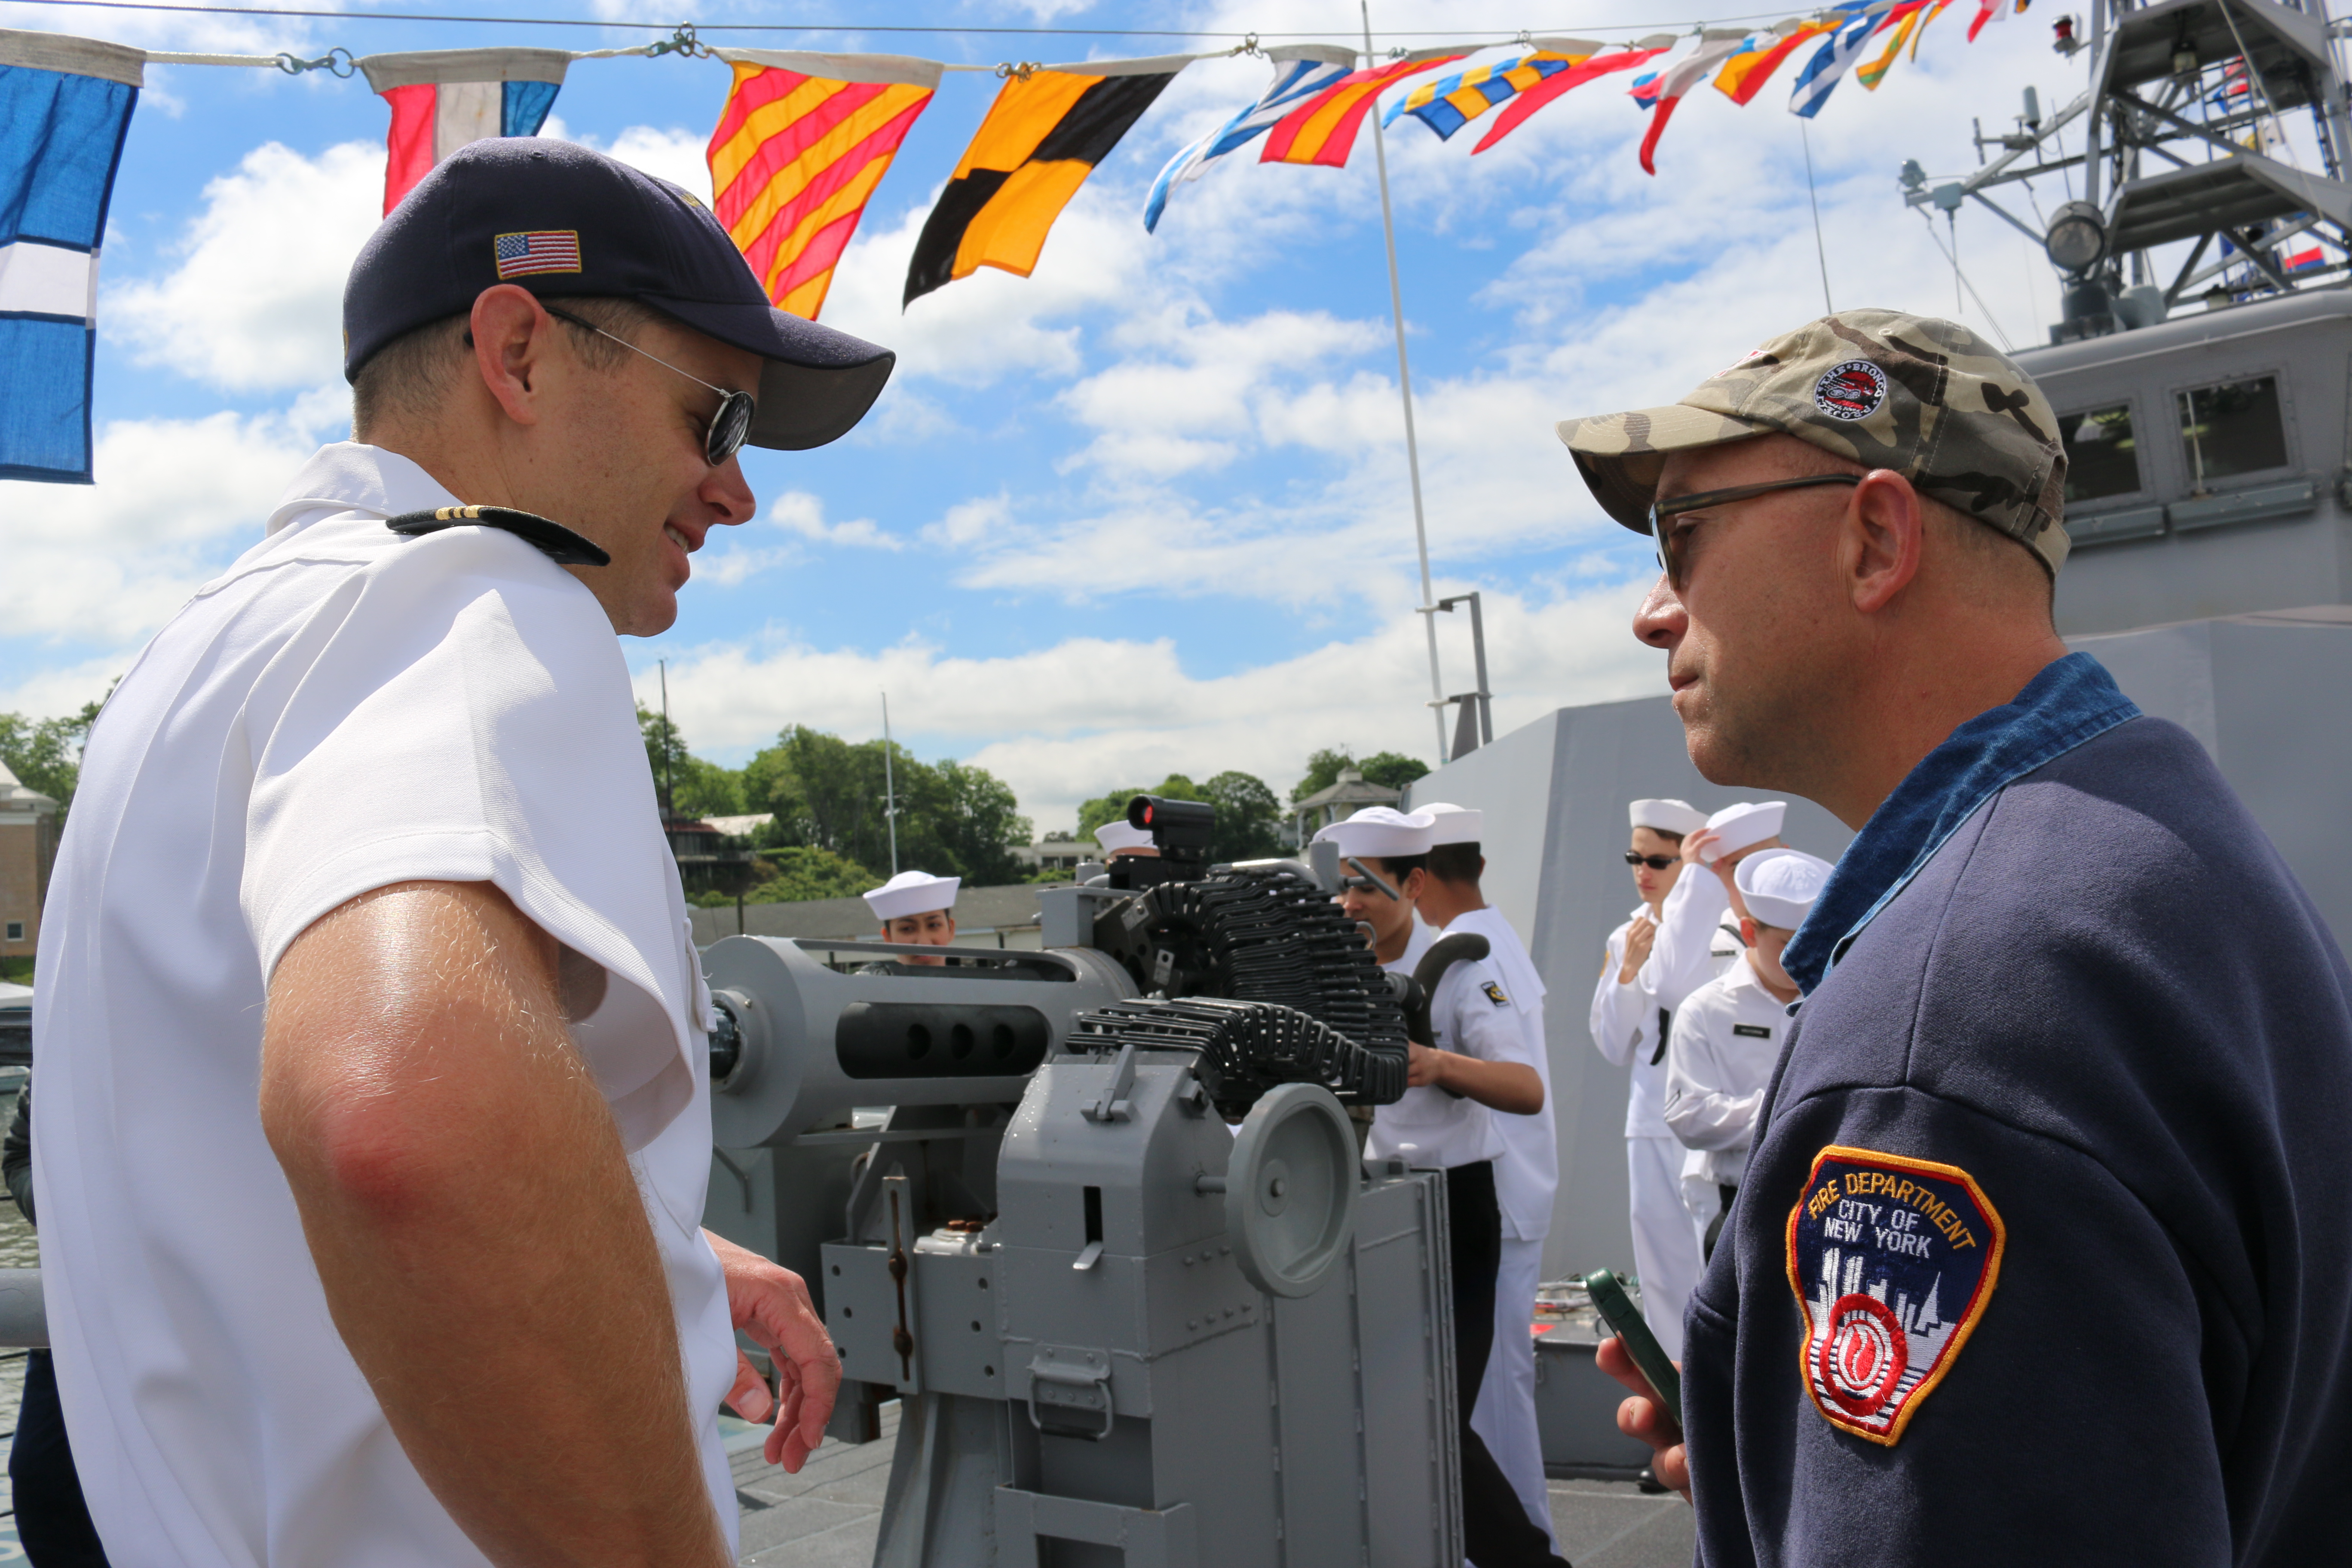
724 436
1655 862
1670 540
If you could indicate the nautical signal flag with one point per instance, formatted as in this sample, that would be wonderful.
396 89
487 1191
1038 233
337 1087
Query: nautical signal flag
1904 19
1043 135
1323 128
1449 103
443 99
1993 11
1516 112
1301 71
1744 74
1837 54
65 104
804 141
1714 47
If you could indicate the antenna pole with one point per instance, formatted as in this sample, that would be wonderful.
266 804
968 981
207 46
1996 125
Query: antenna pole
889 786
669 795
1404 386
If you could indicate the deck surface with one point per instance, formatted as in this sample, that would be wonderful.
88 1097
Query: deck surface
826 1516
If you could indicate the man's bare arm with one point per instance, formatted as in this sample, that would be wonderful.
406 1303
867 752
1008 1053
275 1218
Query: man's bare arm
1511 1086
478 1230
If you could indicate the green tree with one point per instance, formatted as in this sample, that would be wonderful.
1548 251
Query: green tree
1390 770
690 785
46 754
796 875
953 819
1249 819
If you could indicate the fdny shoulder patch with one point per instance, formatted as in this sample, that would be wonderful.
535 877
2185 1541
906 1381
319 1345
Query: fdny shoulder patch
1494 995
1892 1260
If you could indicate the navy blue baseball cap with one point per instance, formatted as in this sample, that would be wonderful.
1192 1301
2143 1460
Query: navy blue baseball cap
559 219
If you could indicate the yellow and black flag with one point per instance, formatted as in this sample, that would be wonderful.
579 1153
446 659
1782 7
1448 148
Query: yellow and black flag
1042 136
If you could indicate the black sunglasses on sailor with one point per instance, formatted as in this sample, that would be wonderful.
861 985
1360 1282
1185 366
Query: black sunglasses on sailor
1670 540
723 437
1655 862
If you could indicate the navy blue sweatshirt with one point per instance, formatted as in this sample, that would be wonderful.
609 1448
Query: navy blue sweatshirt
2044 1252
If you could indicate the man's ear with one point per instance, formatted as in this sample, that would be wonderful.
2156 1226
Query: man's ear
512 335
1748 929
1883 534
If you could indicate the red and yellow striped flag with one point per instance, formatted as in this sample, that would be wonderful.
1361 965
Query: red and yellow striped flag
800 145
1323 128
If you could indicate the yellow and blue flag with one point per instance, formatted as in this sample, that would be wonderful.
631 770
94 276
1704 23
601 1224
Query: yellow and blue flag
1451 102
65 105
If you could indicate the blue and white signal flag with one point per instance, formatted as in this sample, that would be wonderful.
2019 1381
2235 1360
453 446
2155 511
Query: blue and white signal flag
65 105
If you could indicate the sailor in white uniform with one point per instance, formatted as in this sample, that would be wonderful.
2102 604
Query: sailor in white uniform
1527 1177
1727 1034
1122 840
1675 943
1475 1064
917 907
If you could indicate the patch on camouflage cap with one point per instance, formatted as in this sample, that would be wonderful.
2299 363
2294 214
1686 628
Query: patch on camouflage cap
1925 398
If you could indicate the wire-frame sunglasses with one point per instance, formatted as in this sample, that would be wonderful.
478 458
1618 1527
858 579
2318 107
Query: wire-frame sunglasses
723 437
1670 540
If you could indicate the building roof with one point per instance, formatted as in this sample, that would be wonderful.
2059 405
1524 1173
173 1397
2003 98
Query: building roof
1350 789
976 909
15 796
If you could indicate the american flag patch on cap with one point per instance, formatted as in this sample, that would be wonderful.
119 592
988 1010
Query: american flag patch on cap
541 250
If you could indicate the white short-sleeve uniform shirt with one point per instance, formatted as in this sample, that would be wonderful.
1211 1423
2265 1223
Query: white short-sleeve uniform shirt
343 709
1470 1013
1527 1177
1726 1041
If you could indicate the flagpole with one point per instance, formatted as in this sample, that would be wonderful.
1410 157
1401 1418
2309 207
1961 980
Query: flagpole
1428 611
889 786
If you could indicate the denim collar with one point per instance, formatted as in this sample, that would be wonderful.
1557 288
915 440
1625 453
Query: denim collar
2068 703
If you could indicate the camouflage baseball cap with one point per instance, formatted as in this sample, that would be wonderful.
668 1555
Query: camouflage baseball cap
1925 398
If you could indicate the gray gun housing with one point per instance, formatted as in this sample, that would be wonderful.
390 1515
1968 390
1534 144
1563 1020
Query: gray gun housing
1120 1330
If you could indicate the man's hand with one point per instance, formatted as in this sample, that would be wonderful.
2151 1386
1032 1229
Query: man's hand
1640 1418
770 1303
1696 844
1639 937
1510 1086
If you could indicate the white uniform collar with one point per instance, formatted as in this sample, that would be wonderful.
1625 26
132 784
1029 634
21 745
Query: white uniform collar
349 476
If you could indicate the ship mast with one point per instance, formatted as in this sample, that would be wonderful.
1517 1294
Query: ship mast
2182 137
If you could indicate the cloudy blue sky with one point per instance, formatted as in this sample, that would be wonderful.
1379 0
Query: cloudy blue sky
1147 509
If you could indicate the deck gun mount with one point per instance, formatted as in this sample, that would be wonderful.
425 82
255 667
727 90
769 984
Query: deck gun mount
1122 1329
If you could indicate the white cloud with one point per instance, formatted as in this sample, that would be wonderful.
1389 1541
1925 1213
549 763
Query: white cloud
59 690
255 301
1067 723
972 522
802 514
674 153
105 565
980 330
